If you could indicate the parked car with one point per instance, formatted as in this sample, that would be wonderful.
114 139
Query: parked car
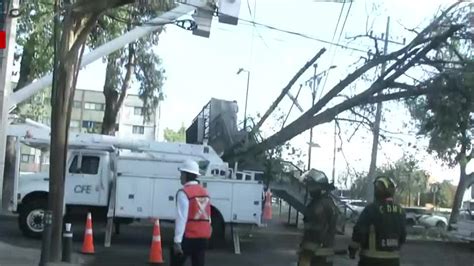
425 217
358 205
354 208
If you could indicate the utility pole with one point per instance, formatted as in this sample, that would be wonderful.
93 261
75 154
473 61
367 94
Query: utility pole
378 117
314 83
8 25
246 95
313 99
334 152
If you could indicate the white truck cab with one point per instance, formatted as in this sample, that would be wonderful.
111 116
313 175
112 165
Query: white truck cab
136 181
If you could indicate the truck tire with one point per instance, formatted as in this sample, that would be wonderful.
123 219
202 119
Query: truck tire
30 219
441 225
218 231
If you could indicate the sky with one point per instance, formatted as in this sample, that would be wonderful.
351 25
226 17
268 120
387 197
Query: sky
199 68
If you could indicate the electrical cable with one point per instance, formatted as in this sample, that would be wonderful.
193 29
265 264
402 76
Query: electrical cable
334 52
303 35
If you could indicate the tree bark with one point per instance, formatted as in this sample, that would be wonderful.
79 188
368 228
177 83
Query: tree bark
114 101
111 98
76 28
460 190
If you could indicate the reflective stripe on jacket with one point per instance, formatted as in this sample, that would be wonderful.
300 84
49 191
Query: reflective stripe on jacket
199 213
372 251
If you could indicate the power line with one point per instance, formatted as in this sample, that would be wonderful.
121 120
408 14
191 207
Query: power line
334 52
303 35
337 24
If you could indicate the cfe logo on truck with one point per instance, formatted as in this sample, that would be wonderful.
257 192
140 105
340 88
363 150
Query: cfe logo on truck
83 189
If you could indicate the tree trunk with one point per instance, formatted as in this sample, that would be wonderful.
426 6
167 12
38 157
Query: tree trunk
76 28
114 101
110 113
461 189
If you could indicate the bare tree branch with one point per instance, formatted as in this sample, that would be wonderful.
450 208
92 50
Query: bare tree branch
406 58
286 89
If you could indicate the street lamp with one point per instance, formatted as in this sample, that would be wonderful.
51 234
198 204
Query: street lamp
246 95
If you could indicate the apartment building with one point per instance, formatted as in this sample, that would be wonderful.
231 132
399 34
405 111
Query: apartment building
88 112
87 115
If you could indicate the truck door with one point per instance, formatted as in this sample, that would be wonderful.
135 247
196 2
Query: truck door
83 179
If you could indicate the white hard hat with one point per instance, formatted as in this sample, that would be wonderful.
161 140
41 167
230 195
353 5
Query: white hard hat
190 166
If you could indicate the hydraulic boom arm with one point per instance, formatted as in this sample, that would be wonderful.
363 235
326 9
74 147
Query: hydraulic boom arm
107 48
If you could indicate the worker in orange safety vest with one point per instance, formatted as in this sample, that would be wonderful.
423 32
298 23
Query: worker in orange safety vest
193 218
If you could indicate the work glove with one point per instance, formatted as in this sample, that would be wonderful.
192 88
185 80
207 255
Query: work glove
177 249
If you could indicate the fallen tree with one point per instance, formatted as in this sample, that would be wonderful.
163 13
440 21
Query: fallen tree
385 88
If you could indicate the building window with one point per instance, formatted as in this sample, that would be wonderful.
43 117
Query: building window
91 126
94 106
74 124
77 104
138 111
139 130
27 158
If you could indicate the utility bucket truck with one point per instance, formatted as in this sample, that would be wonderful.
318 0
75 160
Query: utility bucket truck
130 179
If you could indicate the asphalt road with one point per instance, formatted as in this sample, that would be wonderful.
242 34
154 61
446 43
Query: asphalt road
275 246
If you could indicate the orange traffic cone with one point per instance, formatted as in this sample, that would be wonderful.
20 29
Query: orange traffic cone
88 245
156 254
267 209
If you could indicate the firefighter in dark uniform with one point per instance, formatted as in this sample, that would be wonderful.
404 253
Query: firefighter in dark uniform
380 231
320 219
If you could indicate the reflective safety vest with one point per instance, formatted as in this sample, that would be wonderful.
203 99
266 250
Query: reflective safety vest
198 224
372 251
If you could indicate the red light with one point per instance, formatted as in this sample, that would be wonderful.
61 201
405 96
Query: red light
3 40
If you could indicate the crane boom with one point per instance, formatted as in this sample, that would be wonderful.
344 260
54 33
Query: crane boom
103 50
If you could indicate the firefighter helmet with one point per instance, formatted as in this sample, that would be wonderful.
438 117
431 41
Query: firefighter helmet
316 177
384 187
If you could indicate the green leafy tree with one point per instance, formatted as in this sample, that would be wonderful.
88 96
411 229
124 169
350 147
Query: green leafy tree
175 136
410 179
445 117
35 54
137 60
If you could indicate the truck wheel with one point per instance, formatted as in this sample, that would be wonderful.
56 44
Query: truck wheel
218 231
441 225
31 216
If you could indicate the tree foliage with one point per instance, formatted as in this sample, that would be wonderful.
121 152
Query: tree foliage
175 136
138 60
445 116
34 54
410 180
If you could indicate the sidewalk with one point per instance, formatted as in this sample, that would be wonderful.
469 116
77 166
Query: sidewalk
19 256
